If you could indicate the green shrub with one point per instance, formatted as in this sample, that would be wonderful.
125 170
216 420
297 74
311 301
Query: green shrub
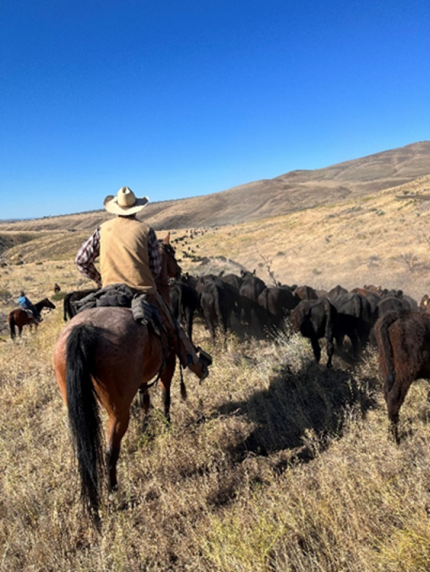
5 294
58 296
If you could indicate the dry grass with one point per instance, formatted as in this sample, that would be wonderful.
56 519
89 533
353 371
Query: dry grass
273 464
379 239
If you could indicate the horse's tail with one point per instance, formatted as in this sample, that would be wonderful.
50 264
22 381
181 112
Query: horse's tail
385 349
12 325
84 419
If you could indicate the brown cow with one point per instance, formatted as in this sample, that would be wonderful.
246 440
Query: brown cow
336 291
425 304
306 293
403 340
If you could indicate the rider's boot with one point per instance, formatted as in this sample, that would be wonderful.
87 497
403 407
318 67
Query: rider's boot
201 367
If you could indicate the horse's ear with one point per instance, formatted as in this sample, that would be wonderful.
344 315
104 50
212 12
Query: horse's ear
167 239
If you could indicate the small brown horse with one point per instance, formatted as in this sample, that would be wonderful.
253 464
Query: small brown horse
104 356
19 318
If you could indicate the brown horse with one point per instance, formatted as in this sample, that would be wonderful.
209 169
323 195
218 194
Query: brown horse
104 356
19 318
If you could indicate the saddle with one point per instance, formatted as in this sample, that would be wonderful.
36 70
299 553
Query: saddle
31 315
120 295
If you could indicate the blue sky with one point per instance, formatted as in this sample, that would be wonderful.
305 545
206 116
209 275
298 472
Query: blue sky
177 99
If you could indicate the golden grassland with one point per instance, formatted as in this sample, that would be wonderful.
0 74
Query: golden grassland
272 464
381 239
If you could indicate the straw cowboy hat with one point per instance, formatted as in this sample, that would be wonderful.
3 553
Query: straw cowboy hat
124 203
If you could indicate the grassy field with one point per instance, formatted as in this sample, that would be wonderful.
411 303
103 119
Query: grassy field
272 464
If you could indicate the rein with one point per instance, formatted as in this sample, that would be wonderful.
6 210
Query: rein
169 251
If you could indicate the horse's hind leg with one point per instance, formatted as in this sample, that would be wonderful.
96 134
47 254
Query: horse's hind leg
116 430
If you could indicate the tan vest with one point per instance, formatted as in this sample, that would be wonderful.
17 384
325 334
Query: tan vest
124 254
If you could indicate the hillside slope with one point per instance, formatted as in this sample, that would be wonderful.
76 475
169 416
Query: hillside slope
261 199
382 238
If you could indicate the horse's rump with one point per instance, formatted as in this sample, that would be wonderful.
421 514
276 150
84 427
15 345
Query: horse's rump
126 354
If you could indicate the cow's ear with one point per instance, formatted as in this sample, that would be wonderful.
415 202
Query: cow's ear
254 272
167 239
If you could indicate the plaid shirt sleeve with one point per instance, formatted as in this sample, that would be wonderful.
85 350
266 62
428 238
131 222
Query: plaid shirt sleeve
86 256
154 253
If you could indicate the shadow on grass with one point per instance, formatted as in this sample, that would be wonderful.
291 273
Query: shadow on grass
312 399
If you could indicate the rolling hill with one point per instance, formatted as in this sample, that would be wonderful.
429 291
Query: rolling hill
287 193
352 238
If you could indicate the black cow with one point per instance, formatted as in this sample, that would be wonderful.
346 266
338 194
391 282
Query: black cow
412 302
278 302
336 291
390 303
355 318
184 301
69 310
216 303
250 289
232 279
316 319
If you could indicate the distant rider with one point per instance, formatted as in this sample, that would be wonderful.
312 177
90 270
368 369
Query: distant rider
27 306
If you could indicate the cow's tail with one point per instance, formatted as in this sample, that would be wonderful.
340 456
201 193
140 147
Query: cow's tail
330 312
386 350
222 320
263 299
84 416
12 325
358 306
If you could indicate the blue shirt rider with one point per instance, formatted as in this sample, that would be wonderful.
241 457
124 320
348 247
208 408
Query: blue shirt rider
25 304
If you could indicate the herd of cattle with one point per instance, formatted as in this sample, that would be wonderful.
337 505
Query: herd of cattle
398 324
